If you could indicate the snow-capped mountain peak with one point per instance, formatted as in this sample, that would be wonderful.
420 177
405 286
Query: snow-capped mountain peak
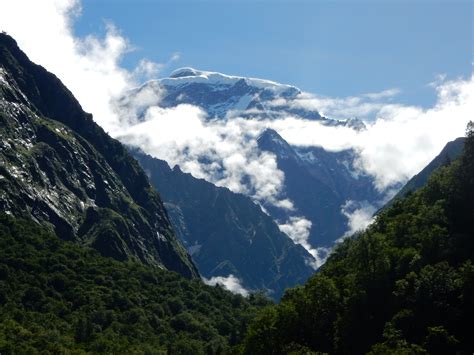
187 75
221 96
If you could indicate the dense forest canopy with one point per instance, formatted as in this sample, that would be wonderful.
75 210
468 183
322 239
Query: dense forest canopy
57 297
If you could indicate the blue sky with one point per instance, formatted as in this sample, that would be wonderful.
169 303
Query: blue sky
332 48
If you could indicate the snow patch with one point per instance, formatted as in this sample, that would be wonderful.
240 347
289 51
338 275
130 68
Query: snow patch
3 80
161 237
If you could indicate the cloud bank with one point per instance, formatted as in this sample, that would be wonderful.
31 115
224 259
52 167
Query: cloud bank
223 152
400 141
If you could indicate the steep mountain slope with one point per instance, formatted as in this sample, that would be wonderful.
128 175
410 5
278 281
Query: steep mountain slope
319 183
61 169
450 152
404 286
226 233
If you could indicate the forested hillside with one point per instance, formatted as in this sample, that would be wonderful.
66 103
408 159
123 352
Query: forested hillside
58 297
404 286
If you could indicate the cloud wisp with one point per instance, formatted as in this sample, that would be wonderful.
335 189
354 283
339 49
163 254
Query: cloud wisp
298 229
364 106
359 216
231 283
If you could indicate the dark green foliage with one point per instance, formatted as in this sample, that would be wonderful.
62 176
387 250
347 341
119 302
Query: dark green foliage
56 296
404 286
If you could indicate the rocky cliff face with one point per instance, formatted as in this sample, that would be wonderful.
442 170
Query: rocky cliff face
227 233
62 170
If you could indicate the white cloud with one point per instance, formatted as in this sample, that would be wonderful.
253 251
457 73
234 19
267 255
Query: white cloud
231 283
147 69
385 94
89 66
223 152
359 216
298 229
365 105
176 56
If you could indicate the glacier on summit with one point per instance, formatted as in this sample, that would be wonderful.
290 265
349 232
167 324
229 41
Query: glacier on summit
223 96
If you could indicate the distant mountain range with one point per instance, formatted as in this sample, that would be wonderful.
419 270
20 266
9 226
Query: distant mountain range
318 182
